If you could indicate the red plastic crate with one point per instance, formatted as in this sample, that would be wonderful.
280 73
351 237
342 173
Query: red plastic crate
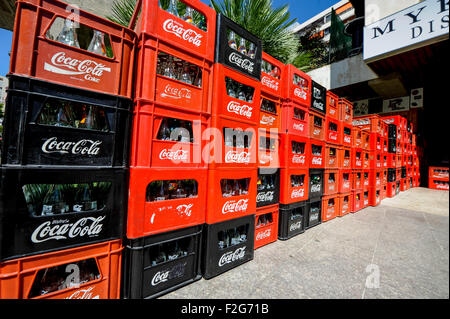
366 179
365 137
356 137
220 206
333 107
333 131
157 201
398 120
366 198
296 91
149 149
369 123
266 225
316 160
294 119
376 143
332 156
403 184
34 54
291 188
357 158
375 196
345 204
270 120
173 31
331 180
345 158
272 85
295 151
346 111
317 126
232 108
330 207
438 184
376 160
357 201
346 135
384 160
358 180
391 190
366 159
391 160
268 149
20 278
229 152
345 180
376 178
438 173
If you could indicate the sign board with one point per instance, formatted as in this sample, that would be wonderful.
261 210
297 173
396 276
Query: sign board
417 98
361 107
416 26
396 105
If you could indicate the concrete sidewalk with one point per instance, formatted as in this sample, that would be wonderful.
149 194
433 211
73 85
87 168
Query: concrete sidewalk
406 239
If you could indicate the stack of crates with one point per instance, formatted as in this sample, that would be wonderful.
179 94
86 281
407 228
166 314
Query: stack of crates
229 236
168 171
65 155
269 139
438 178
295 152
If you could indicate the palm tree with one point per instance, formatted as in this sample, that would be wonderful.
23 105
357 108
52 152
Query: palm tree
269 24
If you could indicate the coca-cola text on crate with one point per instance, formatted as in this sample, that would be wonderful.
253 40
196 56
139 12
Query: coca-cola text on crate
346 111
318 97
292 220
346 134
317 156
332 156
85 272
333 131
317 126
333 108
51 209
45 46
294 185
232 51
330 206
296 86
295 119
270 114
272 73
345 180
268 187
266 229
331 181
313 213
294 151
345 157
345 204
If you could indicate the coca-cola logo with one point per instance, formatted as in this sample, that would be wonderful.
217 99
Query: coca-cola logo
300 94
299 127
55 230
84 294
299 159
358 163
236 157
333 136
298 193
242 110
245 64
62 64
318 105
264 234
360 122
316 160
234 206
267 120
231 256
179 155
314 217
265 196
295 226
316 188
347 139
176 93
270 83
346 185
265 158
317 131
169 274
388 121
185 209
178 29
82 147
346 163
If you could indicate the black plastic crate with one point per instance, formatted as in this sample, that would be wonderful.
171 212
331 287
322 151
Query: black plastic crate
44 210
291 221
392 133
313 215
48 124
392 145
220 253
268 191
316 183
392 175
158 264
318 97
248 65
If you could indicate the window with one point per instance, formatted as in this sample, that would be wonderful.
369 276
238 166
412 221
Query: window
326 31
237 138
171 189
234 187
233 236
327 18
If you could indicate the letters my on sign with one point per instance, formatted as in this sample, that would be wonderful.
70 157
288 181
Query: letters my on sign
415 25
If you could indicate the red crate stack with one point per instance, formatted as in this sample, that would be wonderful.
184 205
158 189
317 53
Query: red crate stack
438 178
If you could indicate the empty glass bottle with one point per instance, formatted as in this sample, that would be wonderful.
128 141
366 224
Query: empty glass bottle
68 35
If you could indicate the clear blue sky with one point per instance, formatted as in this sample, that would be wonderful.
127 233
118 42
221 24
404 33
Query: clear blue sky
300 9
